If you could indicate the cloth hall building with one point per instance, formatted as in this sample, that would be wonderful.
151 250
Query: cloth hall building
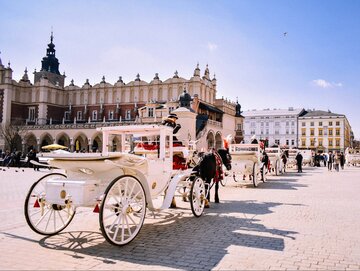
47 111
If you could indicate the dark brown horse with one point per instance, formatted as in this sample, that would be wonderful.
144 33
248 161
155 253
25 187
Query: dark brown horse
210 169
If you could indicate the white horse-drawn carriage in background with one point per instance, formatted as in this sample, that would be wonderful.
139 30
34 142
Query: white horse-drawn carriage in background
120 185
247 161
308 158
352 157
276 163
291 157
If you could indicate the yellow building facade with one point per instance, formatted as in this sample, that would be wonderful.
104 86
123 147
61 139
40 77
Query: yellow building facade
324 131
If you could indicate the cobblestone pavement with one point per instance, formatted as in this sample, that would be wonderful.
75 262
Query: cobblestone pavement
295 221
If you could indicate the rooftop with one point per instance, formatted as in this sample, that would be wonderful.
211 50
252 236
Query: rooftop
272 112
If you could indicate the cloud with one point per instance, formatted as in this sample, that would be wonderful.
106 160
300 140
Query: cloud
212 46
325 84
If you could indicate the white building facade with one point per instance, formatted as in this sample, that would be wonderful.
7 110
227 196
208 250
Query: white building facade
277 126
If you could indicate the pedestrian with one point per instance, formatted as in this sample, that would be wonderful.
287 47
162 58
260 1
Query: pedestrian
325 159
330 161
337 161
284 160
299 159
342 160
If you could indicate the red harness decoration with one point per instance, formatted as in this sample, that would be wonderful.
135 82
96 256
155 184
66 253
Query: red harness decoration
219 174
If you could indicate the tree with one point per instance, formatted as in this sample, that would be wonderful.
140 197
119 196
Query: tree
12 133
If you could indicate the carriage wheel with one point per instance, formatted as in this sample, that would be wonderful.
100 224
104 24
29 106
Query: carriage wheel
197 196
122 210
254 175
277 165
44 217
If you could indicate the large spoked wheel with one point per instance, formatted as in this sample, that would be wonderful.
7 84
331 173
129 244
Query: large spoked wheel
197 196
254 175
42 216
122 210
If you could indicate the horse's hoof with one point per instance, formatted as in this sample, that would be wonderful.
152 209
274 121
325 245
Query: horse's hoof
217 201
172 206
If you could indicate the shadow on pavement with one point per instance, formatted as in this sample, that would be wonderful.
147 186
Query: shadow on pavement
180 241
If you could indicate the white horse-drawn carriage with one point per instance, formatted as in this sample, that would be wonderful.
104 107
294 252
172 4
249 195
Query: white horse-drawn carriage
247 161
291 158
120 185
276 163
307 157
352 156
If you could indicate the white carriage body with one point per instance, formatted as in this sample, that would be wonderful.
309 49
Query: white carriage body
89 172
291 161
244 156
353 158
307 157
274 155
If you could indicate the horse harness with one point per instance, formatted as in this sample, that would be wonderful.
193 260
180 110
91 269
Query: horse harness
219 173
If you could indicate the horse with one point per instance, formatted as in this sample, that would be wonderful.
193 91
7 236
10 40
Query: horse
210 169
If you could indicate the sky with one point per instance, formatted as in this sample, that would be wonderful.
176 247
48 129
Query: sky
267 54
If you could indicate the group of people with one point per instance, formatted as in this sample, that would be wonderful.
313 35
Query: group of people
335 160
17 159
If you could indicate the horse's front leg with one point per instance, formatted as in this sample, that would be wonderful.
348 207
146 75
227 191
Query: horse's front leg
207 192
217 192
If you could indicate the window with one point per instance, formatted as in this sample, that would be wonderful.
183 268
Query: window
111 115
320 132
312 132
338 123
303 132
287 142
292 142
330 132
252 124
330 142
337 142
94 115
261 132
303 124
287 123
277 141
31 116
312 123
303 142
292 131
276 132
262 124
320 123
277 124
150 112
293 123
312 142
337 132
128 114
67 115
79 115
320 143
267 131
239 127
267 124
330 123
252 132
287 131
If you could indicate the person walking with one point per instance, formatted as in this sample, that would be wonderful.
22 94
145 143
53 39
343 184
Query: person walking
299 159
337 161
342 160
330 161
325 159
